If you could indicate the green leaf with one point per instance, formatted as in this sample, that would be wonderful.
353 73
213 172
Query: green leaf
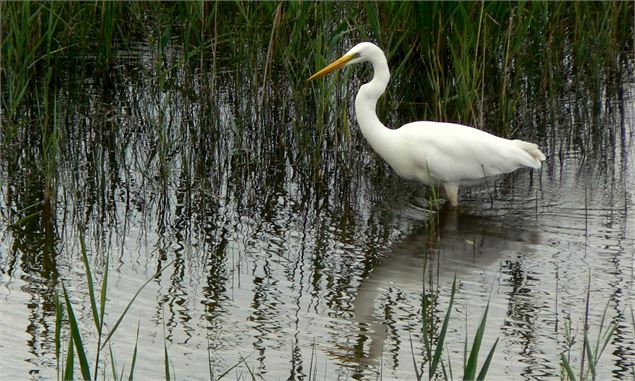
488 361
134 356
113 368
69 369
470 369
59 317
589 353
76 335
89 276
102 295
166 360
567 367
444 329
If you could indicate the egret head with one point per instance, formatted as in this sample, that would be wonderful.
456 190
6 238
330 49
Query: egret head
364 51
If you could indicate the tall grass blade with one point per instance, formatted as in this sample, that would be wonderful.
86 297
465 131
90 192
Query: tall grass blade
59 317
228 370
444 371
586 327
102 309
77 338
251 373
470 369
418 373
311 365
242 360
451 375
567 367
488 361
603 336
444 329
89 276
166 357
209 362
134 356
113 367
589 353
69 368
102 295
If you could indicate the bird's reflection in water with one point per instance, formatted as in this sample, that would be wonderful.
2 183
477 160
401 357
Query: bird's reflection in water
457 242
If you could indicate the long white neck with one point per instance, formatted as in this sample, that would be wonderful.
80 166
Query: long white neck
372 128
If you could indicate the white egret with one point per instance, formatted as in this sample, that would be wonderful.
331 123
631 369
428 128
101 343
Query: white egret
444 155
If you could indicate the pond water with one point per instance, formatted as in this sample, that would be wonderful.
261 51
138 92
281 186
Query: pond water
296 265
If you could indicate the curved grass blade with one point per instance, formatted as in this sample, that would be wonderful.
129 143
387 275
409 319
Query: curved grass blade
69 368
470 369
444 329
125 311
89 276
488 361
134 356
76 335
59 316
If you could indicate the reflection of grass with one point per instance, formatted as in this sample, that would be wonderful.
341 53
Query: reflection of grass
76 350
592 350
477 63
434 342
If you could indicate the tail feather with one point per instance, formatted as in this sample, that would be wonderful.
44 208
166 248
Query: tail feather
532 149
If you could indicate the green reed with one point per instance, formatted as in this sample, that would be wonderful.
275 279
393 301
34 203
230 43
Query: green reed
591 353
76 345
475 63
434 352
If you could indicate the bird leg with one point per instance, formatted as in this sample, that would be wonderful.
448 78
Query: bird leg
451 191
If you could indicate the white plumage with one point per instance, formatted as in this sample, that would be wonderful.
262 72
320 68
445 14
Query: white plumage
438 154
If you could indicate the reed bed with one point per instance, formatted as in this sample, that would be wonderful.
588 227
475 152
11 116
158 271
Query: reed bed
490 65
470 62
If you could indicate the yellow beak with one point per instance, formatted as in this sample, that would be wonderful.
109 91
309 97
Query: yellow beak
334 65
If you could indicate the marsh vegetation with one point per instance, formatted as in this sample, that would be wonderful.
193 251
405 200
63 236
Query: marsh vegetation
137 135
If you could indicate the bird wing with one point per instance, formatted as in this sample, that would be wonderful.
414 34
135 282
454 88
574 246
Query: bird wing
456 153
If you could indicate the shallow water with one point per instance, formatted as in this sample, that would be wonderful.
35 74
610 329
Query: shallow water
292 269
